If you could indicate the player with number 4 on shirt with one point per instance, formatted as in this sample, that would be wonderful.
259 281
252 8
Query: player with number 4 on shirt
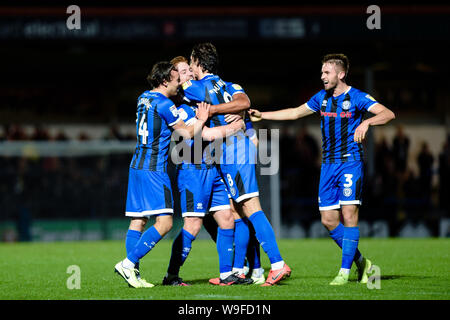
149 189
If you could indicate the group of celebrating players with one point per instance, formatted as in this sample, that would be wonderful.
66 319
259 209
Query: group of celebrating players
216 175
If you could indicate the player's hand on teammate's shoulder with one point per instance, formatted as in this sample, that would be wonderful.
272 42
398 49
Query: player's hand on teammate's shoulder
203 111
360 132
255 115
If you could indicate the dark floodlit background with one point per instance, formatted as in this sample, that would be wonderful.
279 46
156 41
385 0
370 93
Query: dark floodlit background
68 99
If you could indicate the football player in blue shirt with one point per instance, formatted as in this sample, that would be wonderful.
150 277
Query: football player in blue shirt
149 190
245 243
238 154
247 249
341 108
202 191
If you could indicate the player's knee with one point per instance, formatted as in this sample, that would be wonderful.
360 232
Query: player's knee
235 214
225 219
329 223
163 224
169 224
251 206
138 224
350 220
350 215
193 225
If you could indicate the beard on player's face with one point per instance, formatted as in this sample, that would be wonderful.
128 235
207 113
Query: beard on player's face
330 76
330 83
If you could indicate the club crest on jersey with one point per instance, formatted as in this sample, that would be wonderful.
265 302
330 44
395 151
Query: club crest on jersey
187 84
347 192
183 115
346 105
174 111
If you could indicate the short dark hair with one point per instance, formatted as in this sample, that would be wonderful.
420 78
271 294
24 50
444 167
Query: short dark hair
160 73
206 56
338 59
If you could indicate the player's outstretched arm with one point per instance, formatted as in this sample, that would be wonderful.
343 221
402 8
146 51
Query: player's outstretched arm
284 114
211 134
189 132
239 103
230 117
382 116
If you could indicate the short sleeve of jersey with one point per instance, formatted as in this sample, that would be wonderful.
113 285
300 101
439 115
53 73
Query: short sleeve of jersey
233 88
316 101
193 90
169 112
365 101
187 114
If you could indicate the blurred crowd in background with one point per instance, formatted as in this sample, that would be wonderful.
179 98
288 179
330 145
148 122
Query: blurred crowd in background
394 193
53 76
95 186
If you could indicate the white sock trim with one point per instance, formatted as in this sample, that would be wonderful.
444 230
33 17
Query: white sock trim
345 271
277 265
238 270
225 275
127 264
257 272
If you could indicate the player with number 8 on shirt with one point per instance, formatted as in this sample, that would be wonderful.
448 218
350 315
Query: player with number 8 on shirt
202 193
236 162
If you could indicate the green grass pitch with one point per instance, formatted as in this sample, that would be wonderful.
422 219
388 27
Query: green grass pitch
410 269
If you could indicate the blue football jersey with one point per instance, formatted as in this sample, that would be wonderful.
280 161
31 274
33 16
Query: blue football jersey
187 114
213 90
340 116
155 115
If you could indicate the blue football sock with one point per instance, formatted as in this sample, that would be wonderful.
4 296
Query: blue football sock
180 250
224 244
337 234
241 239
266 236
349 245
257 259
131 240
253 250
146 243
